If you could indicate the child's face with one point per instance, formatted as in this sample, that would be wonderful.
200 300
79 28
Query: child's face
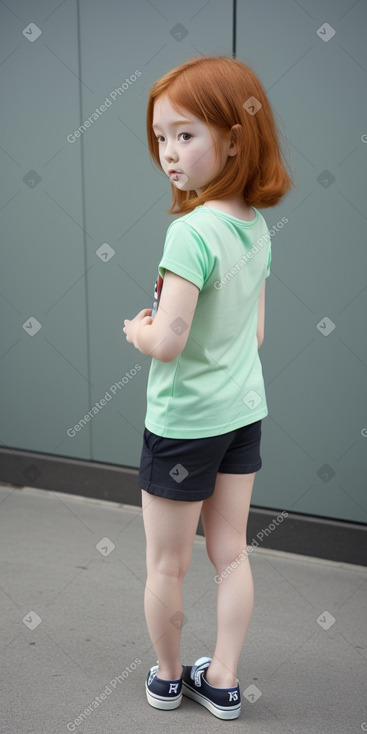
187 147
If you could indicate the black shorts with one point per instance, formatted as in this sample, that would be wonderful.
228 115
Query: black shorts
186 468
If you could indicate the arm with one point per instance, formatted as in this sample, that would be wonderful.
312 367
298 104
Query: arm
261 317
165 336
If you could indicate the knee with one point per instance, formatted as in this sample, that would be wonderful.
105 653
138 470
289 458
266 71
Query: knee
168 565
223 557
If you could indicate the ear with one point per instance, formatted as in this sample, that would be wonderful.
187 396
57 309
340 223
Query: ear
236 130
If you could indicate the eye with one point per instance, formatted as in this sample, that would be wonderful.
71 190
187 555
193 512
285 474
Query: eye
188 134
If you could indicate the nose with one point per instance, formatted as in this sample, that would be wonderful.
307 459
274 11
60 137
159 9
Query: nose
169 152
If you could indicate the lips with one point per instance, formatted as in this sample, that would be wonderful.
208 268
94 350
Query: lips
172 171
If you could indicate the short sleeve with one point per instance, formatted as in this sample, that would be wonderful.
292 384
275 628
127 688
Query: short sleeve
269 261
185 254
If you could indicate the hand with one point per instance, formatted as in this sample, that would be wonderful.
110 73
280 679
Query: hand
131 326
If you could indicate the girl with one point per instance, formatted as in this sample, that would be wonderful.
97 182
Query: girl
210 128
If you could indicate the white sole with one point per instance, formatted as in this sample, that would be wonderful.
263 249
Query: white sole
218 711
159 702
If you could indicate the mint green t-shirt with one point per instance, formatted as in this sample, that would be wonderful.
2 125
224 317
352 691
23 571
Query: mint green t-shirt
216 384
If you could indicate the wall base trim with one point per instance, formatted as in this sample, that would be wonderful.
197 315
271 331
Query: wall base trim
307 535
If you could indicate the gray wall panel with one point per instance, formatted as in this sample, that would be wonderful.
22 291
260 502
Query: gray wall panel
42 231
314 450
103 189
127 198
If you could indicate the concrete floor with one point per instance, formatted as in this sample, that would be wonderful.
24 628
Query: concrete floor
72 621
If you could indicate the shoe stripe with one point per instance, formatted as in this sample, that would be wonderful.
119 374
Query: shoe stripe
164 698
213 703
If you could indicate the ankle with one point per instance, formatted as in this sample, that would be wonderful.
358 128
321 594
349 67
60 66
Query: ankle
169 673
220 678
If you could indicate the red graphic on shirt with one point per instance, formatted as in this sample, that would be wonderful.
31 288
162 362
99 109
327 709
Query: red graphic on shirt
157 294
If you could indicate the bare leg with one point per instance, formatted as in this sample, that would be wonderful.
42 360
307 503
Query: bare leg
225 516
170 528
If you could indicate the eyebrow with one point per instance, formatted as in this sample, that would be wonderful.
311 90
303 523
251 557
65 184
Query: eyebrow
173 124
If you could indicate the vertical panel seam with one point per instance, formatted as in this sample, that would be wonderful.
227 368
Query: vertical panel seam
84 224
234 29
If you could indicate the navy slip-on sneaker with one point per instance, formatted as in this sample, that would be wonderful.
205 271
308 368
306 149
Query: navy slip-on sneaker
163 694
225 703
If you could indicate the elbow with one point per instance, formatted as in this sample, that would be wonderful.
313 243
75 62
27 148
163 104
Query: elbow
165 355
170 347
165 358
